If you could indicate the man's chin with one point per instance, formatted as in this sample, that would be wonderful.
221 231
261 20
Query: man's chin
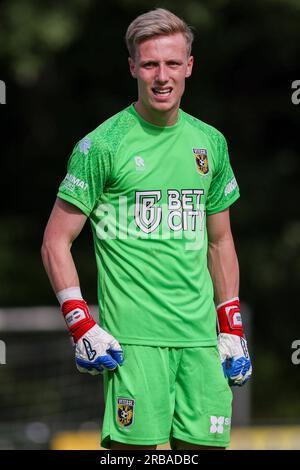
163 106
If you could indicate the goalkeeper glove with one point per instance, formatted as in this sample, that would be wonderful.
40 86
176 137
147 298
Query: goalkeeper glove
232 344
95 349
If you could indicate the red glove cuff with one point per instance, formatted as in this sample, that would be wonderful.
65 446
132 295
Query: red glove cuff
229 317
77 317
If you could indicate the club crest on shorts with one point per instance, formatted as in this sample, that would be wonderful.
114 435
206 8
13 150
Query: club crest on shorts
201 161
125 412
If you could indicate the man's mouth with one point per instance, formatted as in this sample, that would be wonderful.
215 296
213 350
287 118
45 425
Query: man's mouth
162 91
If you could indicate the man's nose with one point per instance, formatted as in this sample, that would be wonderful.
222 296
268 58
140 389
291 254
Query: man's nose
162 74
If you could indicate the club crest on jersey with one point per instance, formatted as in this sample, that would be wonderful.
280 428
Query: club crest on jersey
125 412
201 161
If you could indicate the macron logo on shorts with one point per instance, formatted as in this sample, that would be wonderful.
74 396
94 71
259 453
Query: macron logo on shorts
218 423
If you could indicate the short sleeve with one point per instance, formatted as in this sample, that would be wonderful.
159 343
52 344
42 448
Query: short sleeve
88 171
224 189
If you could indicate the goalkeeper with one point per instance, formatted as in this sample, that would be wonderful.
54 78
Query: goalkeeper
156 185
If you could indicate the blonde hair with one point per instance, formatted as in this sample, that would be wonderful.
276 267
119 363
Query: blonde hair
158 22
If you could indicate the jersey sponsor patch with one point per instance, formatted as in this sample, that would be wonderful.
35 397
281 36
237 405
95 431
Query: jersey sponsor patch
70 182
125 412
183 212
201 161
230 187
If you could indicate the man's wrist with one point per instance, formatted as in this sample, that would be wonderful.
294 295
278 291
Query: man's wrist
229 317
77 317
70 293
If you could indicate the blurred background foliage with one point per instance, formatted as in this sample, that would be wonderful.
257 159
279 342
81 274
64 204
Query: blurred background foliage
65 68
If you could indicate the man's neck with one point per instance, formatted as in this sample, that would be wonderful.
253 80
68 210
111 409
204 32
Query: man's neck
155 117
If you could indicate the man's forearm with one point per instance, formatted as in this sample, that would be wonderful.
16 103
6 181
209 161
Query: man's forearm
95 348
224 269
232 343
59 265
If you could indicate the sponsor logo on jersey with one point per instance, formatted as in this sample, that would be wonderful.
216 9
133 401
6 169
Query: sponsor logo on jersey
125 412
217 424
71 181
182 211
147 213
84 145
139 163
201 161
230 187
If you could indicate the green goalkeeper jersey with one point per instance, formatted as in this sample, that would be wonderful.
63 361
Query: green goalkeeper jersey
147 191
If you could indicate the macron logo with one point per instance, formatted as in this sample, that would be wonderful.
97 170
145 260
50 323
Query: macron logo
217 424
139 163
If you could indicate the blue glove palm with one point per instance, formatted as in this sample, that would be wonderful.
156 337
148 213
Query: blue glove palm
235 358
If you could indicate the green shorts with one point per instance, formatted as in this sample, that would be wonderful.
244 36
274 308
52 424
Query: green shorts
161 394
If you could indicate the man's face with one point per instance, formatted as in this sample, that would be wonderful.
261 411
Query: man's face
161 65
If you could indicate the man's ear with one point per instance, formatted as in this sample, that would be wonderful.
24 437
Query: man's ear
132 67
189 68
